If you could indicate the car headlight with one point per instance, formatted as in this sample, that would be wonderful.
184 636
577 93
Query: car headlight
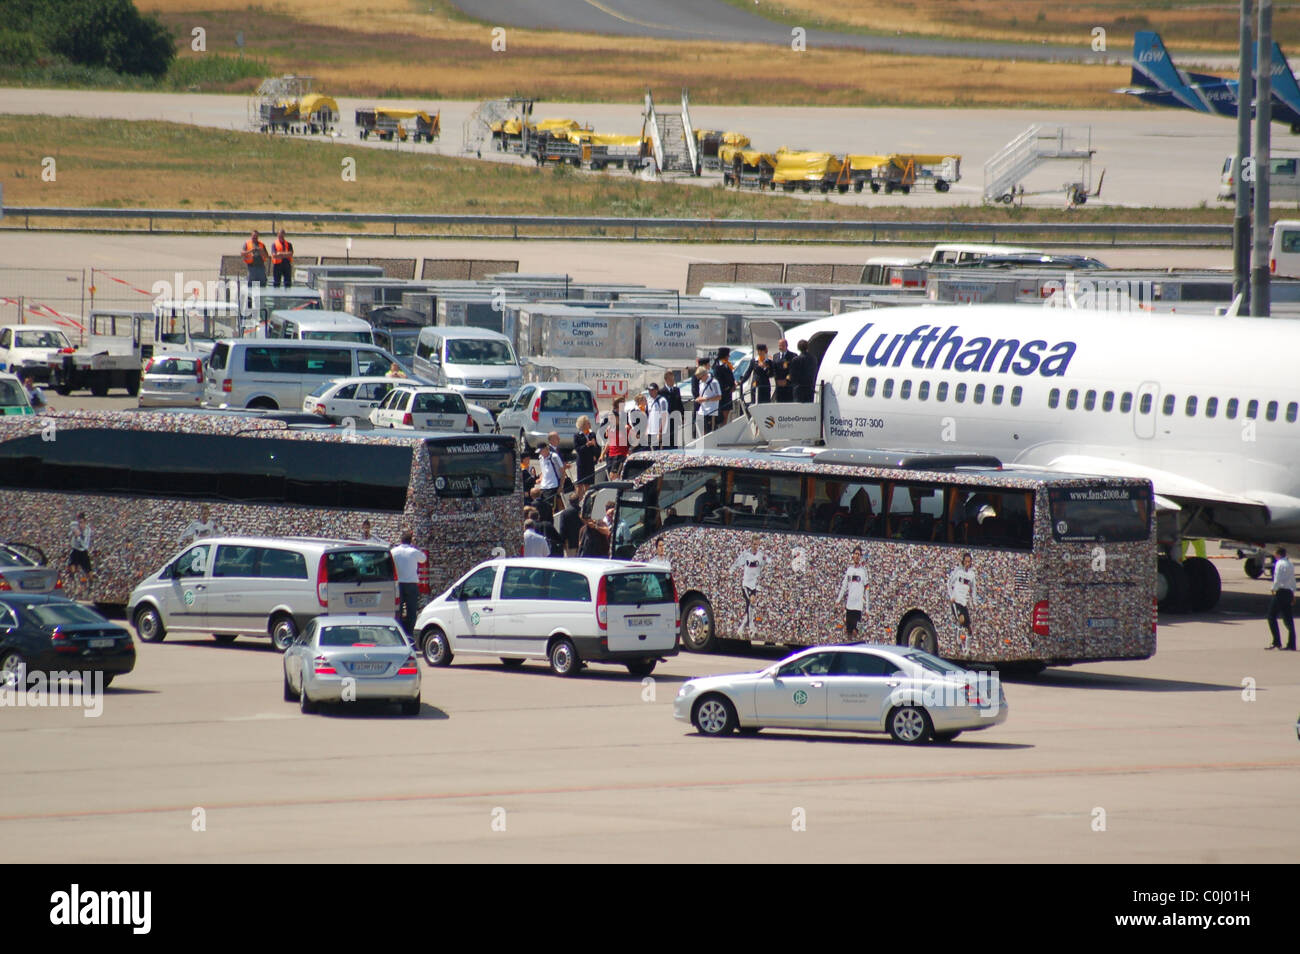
456 382
686 689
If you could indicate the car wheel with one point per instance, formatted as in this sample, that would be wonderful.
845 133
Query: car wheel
149 625
512 663
436 648
289 694
564 659
697 626
714 715
10 663
411 707
283 631
305 705
919 633
946 736
224 639
108 678
642 667
910 725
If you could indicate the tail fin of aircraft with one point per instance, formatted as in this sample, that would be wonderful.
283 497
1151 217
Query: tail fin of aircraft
1152 66
1285 87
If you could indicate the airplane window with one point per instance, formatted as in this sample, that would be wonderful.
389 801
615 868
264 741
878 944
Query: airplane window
1168 408
1211 406
887 388
1191 406
1252 409
853 386
923 391
997 393
870 389
905 390
1108 401
1230 411
941 392
1126 403
1072 398
1291 412
959 393
1054 398
1145 406
1090 400
1016 393
978 396
1272 411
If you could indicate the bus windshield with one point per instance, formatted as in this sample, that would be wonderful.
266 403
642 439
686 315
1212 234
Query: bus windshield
1100 514
472 468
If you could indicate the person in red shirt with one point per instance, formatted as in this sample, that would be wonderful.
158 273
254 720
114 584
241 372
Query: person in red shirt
614 453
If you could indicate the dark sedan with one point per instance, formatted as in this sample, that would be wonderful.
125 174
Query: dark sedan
52 634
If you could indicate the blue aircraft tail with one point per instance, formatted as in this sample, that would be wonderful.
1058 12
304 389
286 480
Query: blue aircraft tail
1152 66
1285 87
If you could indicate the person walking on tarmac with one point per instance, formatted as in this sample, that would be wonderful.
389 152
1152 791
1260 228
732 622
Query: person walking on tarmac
281 261
1283 596
255 257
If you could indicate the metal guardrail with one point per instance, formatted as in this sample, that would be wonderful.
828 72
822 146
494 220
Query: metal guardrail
1072 233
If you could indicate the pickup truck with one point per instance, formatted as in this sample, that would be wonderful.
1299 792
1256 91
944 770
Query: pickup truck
99 365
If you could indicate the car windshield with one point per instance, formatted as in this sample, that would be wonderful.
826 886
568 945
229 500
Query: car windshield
361 636
63 614
11 558
12 395
40 339
475 351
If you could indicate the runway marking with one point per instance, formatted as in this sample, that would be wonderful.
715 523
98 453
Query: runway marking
651 786
644 23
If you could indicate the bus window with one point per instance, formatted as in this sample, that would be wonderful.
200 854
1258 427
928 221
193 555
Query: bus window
765 501
690 495
992 518
849 508
915 512
1100 514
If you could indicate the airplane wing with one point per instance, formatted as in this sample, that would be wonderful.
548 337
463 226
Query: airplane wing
1174 488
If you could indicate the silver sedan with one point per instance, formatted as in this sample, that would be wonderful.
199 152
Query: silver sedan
21 571
906 692
172 379
352 659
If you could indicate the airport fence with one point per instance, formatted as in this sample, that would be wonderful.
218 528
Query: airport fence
419 225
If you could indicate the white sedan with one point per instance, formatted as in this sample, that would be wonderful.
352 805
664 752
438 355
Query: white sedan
342 398
906 692
425 409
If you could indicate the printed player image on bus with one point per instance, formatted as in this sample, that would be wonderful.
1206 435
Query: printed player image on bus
142 479
953 555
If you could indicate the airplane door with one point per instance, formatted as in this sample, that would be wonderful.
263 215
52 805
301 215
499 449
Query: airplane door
1145 403
765 332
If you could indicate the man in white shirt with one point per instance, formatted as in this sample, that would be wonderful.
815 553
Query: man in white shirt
710 394
657 427
205 526
961 590
79 537
751 562
535 544
408 559
853 593
369 536
1283 596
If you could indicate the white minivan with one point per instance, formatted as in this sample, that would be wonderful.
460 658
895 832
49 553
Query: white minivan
567 612
479 363
262 586
312 324
270 374
1284 255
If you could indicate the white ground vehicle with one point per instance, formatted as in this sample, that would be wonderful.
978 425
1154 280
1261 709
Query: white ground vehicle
904 691
538 409
349 398
103 362
423 409
310 324
1284 255
263 373
1283 179
262 586
966 253
172 379
478 363
567 612
25 349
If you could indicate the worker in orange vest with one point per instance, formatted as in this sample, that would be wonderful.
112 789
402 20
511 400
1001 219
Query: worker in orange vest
255 258
281 260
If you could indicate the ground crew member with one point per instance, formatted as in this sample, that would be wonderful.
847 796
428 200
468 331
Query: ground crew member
1283 597
281 261
255 257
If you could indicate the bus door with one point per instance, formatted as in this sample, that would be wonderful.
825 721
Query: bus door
1144 409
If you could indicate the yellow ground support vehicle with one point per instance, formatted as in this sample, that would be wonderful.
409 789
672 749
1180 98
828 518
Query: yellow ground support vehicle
317 113
389 124
905 172
808 171
746 168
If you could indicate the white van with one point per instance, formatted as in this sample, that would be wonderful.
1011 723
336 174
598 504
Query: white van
1284 254
479 363
313 324
742 294
967 253
262 586
269 374
1283 179
566 612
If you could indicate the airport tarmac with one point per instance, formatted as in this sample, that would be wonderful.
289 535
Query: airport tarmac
195 758
1151 156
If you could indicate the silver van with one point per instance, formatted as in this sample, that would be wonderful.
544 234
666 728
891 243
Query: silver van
271 374
262 586
479 363
312 324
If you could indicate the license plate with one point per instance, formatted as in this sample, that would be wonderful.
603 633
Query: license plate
100 643
565 421
30 585
368 667
634 621
437 424
169 385
362 599
1102 622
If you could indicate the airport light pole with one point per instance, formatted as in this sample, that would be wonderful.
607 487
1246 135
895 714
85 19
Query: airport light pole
1260 306
1241 235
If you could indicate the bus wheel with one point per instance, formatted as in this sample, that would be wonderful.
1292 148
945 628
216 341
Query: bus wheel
149 625
1171 586
697 625
1254 567
437 651
918 632
910 725
1206 586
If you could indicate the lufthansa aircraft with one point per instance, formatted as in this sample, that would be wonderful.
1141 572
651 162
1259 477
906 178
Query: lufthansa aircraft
1206 408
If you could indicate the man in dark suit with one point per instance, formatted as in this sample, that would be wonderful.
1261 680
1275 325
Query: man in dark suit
781 362
803 374
676 410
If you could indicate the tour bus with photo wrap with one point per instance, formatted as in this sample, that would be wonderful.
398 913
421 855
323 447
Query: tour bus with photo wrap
146 479
948 553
